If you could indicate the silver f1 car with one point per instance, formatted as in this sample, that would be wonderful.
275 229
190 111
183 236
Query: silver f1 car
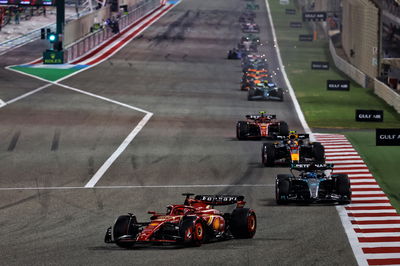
312 184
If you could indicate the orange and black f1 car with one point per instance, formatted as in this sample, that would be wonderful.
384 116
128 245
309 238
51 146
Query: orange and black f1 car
189 224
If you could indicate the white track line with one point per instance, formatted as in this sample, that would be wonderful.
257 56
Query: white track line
2 103
145 186
99 174
282 67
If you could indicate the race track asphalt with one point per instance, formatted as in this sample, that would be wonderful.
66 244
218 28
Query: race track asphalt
177 69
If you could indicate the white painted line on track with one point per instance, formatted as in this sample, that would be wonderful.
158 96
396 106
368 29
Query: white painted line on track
282 67
380 218
383 256
2 103
337 162
93 181
103 98
375 226
372 211
378 234
140 186
360 175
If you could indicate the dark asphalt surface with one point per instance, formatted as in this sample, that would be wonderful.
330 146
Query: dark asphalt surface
178 71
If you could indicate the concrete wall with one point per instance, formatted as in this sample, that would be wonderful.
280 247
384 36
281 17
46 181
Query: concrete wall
76 29
327 5
360 33
347 68
389 95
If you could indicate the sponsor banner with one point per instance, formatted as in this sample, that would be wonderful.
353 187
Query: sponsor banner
306 38
294 24
338 85
289 11
320 65
369 115
388 137
314 16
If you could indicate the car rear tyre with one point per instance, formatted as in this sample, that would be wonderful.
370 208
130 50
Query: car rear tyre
243 223
318 152
283 129
282 187
280 94
268 154
242 129
343 188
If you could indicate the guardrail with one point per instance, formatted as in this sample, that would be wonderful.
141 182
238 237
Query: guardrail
91 41
388 94
348 68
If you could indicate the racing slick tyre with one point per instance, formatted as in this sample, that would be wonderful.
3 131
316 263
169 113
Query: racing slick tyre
318 152
250 94
343 188
282 187
242 130
243 223
283 129
125 225
268 154
192 233
280 94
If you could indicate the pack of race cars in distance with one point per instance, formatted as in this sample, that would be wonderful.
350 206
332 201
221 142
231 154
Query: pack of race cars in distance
260 126
292 148
192 223
310 183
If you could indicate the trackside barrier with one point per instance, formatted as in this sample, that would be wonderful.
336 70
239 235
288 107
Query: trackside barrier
388 94
347 68
91 41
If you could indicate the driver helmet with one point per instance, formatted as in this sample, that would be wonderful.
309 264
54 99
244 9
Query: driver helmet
312 175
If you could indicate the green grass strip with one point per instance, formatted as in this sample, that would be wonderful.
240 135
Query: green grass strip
51 74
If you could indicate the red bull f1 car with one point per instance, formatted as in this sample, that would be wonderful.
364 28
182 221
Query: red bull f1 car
189 224
261 126
292 148
312 183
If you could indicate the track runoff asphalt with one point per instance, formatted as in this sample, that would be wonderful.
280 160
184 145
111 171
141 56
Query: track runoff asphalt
177 70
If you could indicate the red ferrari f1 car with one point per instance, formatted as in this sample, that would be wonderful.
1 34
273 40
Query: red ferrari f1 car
261 126
190 224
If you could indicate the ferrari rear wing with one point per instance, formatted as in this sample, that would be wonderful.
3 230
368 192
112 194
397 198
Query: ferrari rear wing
220 199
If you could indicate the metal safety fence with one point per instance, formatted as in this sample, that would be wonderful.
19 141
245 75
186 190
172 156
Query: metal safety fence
93 40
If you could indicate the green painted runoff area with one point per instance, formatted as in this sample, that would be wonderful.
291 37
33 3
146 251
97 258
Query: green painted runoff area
51 74
335 110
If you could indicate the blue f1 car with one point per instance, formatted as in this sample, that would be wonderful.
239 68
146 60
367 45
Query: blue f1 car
312 184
